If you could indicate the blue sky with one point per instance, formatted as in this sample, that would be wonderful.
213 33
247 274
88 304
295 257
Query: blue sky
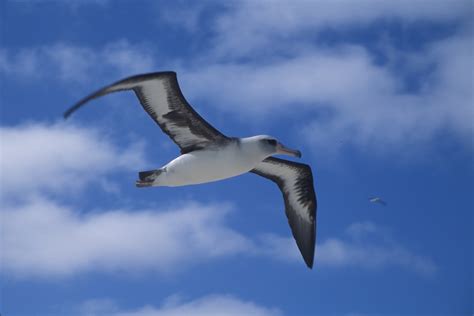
377 95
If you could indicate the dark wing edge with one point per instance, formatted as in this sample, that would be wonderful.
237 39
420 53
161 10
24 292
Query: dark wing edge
128 83
299 197
182 112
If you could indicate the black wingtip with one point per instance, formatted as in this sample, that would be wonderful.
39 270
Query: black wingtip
76 106
72 109
305 237
307 247
309 259
67 114
94 95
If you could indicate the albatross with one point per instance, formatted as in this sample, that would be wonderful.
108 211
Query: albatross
207 155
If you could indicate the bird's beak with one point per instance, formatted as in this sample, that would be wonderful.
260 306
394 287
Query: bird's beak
281 149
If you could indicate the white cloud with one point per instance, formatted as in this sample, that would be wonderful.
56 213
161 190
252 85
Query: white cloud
312 79
42 238
225 305
368 246
39 158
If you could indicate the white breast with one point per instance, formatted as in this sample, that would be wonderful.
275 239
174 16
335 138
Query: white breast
210 165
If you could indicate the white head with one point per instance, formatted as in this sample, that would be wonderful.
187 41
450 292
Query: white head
271 146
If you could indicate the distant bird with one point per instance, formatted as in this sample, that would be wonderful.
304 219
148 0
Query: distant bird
208 155
377 200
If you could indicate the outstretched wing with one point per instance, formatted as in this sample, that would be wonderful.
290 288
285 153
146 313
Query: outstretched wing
295 181
161 97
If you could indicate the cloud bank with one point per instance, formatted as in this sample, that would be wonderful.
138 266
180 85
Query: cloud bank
45 238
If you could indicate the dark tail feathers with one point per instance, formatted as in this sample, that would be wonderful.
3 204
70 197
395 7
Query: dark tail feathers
147 178
148 175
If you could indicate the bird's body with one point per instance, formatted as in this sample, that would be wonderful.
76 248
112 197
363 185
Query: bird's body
208 155
234 158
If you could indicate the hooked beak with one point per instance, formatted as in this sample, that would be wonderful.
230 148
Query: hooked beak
281 149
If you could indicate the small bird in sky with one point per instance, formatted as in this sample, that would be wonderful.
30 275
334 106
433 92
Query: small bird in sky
208 155
377 199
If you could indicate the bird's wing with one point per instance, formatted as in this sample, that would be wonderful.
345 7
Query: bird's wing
161 97
295 180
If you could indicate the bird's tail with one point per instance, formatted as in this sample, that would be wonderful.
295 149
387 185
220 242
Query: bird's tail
147 178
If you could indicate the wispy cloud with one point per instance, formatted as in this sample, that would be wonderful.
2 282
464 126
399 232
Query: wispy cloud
367 245
249 28
225 305
340 253
75 63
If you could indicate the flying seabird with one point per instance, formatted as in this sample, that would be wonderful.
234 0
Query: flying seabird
208 155
377 199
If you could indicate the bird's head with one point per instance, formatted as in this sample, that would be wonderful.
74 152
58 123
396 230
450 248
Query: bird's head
271 146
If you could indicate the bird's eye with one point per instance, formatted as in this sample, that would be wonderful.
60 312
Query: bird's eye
271 142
